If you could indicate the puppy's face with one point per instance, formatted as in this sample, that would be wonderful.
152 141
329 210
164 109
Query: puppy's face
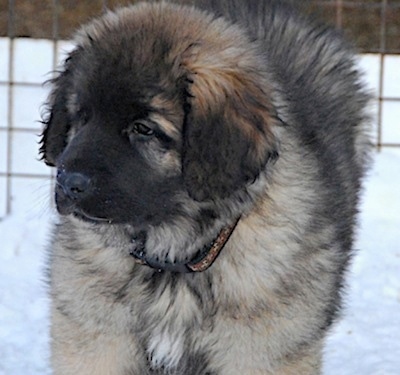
121 160
157 105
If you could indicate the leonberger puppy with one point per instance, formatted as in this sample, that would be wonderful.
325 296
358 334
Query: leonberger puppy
209 157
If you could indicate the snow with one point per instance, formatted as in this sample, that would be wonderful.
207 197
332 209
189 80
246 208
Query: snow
367 339
23 301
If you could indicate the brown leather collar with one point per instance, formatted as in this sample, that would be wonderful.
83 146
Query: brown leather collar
199 263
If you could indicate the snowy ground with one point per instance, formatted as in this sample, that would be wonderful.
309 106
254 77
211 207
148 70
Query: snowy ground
365 342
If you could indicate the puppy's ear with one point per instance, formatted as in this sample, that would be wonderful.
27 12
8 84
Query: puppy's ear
227 133
57 119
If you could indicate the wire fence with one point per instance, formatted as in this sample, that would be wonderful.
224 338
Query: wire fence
374 26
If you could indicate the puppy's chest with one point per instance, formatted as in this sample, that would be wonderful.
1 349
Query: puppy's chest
170 324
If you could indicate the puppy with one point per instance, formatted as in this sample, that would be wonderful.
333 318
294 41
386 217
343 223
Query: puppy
209 158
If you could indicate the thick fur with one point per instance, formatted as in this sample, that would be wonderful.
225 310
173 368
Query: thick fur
182 118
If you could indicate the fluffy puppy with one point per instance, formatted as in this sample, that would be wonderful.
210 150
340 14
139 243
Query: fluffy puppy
209 158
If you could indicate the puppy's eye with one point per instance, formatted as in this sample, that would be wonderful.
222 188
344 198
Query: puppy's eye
139 130
83 115
139 127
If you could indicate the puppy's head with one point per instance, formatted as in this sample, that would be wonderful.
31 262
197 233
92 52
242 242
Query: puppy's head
157 102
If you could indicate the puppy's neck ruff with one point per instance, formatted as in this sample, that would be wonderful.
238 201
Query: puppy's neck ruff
199 263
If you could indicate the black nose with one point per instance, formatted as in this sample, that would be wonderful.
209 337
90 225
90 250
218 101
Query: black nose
74 185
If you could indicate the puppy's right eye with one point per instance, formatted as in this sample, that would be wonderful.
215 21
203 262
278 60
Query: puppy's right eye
83 115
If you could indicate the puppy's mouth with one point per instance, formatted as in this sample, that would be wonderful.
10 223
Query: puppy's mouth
70 206
81 215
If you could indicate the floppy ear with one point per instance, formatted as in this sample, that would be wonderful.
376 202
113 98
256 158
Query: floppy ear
227 133
57 119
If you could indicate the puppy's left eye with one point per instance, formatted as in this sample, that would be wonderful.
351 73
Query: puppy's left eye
140 127
140 130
